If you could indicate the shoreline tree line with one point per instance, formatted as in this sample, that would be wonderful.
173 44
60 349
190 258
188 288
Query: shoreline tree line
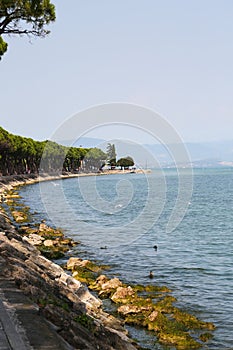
22 155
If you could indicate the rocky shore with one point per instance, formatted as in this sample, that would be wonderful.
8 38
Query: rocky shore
54 295
63 297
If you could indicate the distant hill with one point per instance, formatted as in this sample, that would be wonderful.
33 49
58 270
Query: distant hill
85 142
209 154
203 154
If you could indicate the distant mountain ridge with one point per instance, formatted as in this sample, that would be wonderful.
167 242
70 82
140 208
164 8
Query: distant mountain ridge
206 153
216 153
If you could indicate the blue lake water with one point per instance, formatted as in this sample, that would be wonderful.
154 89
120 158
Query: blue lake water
195 260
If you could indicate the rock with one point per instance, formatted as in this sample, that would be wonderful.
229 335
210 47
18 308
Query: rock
153 316
122 294
43 227
133 309
107 288
26 250
48 243
73 284
128 309
111 322
69 281
18 216
114 283
66 241
27 230
9 196
72 262
89 299
84 263
84 269
101 280
34 239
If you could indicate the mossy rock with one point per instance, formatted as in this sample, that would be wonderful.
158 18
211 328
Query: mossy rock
151 290
163 322
51 234
142 302
166 304
135 319
85 276
191 321
26 230
51 253
204 337
93 267
172 326
162 289
179 340
19 216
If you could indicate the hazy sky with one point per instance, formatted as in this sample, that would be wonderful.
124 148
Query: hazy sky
175 57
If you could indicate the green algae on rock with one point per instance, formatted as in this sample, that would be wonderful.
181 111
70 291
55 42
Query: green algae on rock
85 271
148 306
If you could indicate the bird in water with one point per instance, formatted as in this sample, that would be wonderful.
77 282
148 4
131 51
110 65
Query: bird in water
151 275
155 248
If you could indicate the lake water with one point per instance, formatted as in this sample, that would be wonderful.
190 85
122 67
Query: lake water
195 260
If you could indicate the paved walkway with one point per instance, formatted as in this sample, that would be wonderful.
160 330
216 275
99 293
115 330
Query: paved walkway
9 337
21 325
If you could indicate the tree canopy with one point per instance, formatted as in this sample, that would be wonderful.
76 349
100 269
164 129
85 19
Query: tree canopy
111 154
94 159
19 155
125 162
24 17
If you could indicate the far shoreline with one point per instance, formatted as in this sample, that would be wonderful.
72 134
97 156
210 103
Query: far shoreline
8 182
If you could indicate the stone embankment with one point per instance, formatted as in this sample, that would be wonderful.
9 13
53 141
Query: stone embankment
48 308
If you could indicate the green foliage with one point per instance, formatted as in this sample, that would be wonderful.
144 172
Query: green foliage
53 157
125 162
74 158
111 154
94 159
20 155
3 47
25 17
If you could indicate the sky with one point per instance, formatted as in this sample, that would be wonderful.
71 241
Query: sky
174 57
